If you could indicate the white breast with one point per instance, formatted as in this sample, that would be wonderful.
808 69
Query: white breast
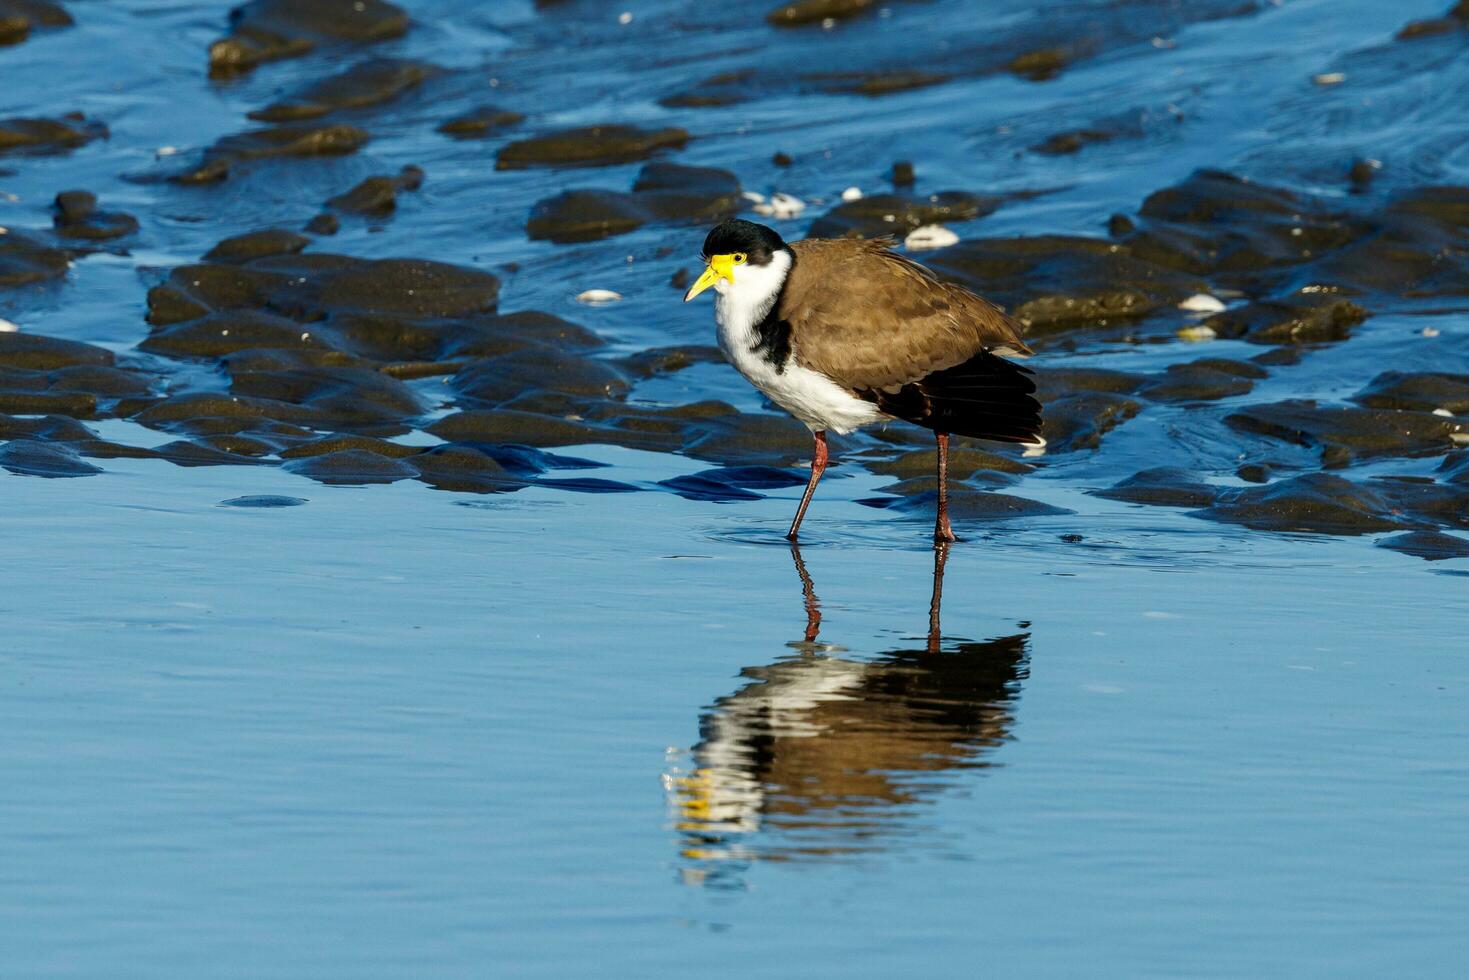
815 399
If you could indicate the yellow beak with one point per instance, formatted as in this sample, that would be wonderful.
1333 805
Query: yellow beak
720 267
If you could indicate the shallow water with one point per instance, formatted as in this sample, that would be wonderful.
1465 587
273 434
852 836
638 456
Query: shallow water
399 731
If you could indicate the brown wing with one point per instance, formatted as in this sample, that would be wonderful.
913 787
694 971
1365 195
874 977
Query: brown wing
872 319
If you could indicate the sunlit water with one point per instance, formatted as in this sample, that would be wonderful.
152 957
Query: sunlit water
400 732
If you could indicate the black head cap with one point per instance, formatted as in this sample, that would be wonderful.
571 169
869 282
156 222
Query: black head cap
757 242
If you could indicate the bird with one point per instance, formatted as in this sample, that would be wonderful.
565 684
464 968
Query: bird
846 332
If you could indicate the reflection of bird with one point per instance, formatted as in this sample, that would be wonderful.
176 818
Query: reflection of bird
842 333
817 755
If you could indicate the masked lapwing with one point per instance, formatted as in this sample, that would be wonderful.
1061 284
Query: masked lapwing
842 333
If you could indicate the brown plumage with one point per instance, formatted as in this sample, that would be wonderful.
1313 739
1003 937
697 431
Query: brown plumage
873 319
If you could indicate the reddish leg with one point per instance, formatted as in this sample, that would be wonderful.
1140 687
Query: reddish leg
941 529
818 466
935 634
808 593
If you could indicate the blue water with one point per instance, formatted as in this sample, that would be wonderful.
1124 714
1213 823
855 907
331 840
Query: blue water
398 732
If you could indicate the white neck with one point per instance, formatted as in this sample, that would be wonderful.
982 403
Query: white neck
747 300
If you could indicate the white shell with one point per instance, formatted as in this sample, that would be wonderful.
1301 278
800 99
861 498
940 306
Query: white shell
625 17
596 297
1202 303
1197 334
7 327
1330 78
781 206
930 236
753 197
852 194
1444 412
1430 331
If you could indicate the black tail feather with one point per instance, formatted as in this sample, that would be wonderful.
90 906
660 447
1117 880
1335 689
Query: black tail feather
986 397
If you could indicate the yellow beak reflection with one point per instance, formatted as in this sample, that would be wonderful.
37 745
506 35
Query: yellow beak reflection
720 267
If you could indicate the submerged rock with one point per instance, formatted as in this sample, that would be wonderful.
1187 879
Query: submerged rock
20 18
257 244
1423 392
1164 486
1054 283
1302 318
1204 380
77 217
263 501
352 467
899 214
1428 545
37 353
219 160
44 459
589 146
43 136
378 196
269 30
480 122
1317 502
1080 421
1360 433
803 12
662 192
25 260
369 83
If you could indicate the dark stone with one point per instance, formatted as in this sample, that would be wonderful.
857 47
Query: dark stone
263 500
377 197
589 146
257 244
1080 421
662 192
77 217
498 380
661 361
1253 473
324 224
1203 380
1303 318
1054 283
1164 486
877 83
585 215
44 459
370 83
1120 226
25 260
352 467
868 216
1072 141
347 397
19 18
1360 433
902 174
281 141
480 123
465 469
224 333
201 411
185 453
44 136
77 404
781 159
1455 467
803 12
1423 392
726 88
1054 383
1040 65
1428 545
1316 502
36 353
353 443
269 30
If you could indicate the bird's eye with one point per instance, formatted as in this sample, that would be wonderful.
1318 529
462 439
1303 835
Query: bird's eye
739 258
